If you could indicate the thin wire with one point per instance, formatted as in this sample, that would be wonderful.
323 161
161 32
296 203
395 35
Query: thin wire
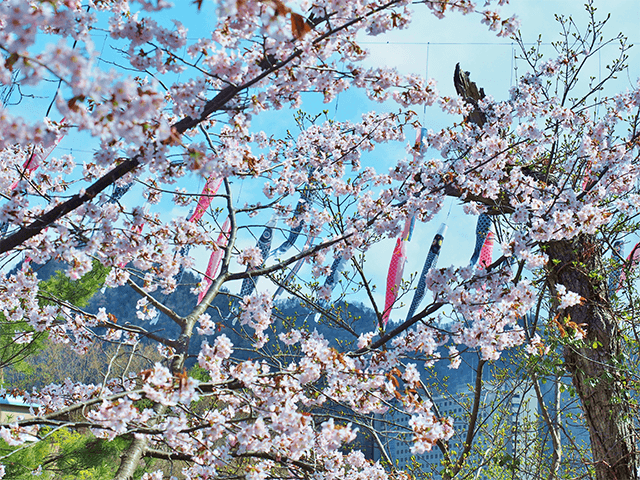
426 79
335 110
515 66
239 191
489 44
184 51
77 150
513 54
599 80
102 50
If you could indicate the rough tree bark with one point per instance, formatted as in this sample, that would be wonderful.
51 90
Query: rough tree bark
597 366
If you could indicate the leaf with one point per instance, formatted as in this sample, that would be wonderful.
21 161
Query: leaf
299 26
280 8
183 379
394 19
11 60
198 3
72 103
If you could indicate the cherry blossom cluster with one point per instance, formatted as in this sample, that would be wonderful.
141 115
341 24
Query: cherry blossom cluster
552 171
256 313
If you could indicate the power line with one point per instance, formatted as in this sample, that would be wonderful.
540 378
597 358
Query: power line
426 78
486 44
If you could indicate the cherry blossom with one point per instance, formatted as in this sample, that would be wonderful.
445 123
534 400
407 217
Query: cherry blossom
567 298
179 110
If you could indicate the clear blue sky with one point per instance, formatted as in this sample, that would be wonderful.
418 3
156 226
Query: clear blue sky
429 44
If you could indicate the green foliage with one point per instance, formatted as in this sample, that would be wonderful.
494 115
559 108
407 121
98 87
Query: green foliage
77 292
12 353
65 455
199 373
86 457
56 362
57 287
21 464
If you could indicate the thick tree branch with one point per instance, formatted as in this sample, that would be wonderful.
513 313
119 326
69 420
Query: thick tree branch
178 128
473 419
283 460
495 207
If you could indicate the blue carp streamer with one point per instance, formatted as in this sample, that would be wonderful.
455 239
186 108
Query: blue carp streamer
431 261
482 230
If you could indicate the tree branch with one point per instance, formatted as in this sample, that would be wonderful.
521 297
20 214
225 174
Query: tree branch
153 453
178 128
398 330
473 419
160 306
267 456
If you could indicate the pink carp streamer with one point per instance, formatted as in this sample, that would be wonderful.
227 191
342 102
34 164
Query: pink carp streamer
486 254
396 269
632 261
208 192
31 165
216 258
136 230
399 256
35 160
419 145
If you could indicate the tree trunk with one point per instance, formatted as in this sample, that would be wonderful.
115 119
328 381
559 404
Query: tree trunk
131 459
597 367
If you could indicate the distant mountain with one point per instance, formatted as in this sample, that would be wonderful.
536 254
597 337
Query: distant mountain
342 327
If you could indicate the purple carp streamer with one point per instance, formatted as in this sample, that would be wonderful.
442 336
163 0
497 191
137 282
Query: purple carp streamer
294 270
301 208
264 245
329 284
336 268
119 191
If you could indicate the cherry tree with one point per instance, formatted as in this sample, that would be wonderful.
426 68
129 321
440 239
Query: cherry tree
554 171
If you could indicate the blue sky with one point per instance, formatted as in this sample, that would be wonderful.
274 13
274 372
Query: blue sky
429 44
437 45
